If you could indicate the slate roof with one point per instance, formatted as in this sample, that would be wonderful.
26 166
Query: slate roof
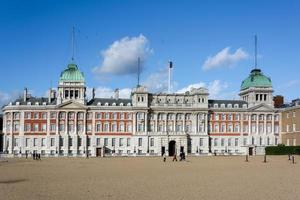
212 102
34 100
110 101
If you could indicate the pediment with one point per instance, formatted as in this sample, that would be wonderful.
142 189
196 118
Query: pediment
261 107
72 105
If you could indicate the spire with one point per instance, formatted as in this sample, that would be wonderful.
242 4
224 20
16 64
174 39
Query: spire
255 51
73 43
138 72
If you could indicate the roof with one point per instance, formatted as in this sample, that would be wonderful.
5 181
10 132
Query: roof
256 79
110 101
240 103
34 100
72 73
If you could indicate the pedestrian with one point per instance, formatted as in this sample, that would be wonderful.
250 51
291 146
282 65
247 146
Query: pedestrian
26 154
174 157
164 157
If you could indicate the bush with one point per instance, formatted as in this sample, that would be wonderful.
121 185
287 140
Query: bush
283 150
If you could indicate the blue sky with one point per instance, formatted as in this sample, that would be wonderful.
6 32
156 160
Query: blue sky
35 44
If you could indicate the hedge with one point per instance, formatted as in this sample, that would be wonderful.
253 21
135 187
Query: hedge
282 150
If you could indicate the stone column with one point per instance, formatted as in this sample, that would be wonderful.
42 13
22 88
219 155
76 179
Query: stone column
66 142
75 138
48 133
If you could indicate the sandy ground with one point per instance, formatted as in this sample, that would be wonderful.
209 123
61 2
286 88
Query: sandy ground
149 178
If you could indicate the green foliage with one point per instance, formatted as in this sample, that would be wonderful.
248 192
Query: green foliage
283 150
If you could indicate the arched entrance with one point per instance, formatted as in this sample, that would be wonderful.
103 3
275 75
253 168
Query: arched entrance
172 148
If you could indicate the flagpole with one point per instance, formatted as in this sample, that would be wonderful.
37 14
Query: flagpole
169 83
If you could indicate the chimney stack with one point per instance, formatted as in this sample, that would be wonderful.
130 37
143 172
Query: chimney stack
25 94
93 93
117 93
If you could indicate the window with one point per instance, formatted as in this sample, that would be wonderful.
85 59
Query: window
27 127
16 142
151 142
222 142
88 142
43 142
89 127
36 115
245 117
230 117
294 127
121 142
261 117
269 126
201 142
294 114
16 115
16 126
27 142
253 117
237 128
35 142
98 141
52 115
61 141
114 128
216 116
44 127
35 127
121 115
229 142
106 127
61 127
129 129
216 129
44 115
223 128
245 141
113 142
230 128
287 128
62 115
114 115
52 127
105 141
89 115
79 141
128 142
98 127
98 115
140 127
276 117
236 117
106 115
140 142
70 141
27 115
52 142
236 142
287 115
216 142
121 127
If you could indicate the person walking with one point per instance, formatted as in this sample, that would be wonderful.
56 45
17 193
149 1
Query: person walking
174 157
164 157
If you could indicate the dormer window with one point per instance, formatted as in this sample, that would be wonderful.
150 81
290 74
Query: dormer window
114 104
236 105
222 105
121 104
244 105
216 106
99 104
229 105
106 104
29 103
36 103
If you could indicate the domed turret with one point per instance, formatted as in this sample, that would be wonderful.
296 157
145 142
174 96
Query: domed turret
256 79
71 85
257 89
72 73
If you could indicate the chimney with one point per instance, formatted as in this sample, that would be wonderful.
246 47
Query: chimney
25 94
49 95
93 93
278 101
117 93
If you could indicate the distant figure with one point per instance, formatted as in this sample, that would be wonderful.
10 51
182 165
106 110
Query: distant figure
174 158
26 154
164 157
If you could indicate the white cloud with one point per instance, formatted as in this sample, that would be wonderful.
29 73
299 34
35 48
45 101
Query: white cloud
224 59
121 56
292 83
5 98
106 92
217 89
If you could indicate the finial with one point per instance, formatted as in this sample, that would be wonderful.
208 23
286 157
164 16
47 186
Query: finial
73 42
255 51
138 72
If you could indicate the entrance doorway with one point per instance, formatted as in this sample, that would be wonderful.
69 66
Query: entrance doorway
250 151
163 150
172 148
98 152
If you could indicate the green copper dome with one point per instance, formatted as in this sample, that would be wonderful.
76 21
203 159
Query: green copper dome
72 73
256 79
